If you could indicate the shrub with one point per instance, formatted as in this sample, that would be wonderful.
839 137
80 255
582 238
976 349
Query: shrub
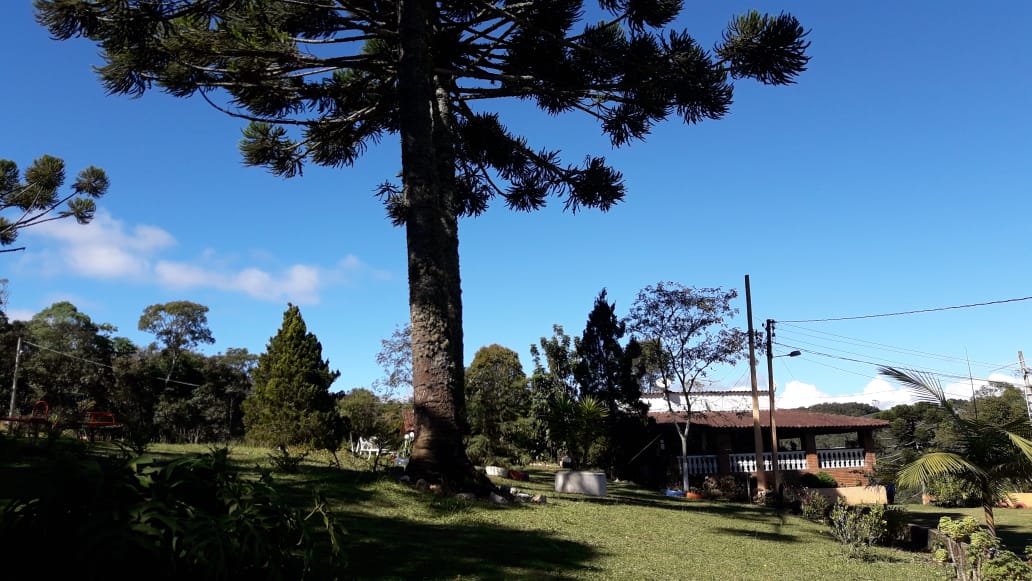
1006 567
858 527
815 506
959 530
819 480
190 518
951 491
724 488
480 450
284 462
991 562
896 521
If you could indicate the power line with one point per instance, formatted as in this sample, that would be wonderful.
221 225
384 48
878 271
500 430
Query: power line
914 312
863 342
807 346
98 364
929 371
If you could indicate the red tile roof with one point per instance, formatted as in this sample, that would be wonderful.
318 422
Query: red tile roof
784 419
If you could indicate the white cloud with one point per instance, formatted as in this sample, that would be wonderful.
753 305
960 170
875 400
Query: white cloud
877 392
107 249
963 389
104 248
19 314
299 283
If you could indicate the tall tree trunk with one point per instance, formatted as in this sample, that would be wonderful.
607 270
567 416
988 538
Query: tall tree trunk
684 453
433 266
987 507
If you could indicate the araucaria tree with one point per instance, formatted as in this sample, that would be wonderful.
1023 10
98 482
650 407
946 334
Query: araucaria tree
321 80
690 332
290 403
36 197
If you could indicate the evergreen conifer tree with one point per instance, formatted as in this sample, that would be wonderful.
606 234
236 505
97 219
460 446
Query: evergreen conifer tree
291 402
320 82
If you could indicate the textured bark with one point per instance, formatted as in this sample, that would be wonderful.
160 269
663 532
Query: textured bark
431 228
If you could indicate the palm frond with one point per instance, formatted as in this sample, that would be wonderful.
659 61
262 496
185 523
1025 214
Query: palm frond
936 464
1022 443
1020 426
924 386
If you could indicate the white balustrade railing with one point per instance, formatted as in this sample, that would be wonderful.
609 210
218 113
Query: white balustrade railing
792 460
787 460
746 462
841 458
701 464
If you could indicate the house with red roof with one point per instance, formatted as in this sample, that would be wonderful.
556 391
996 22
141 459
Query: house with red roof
721 440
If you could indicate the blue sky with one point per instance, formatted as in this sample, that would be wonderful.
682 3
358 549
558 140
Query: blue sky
893 177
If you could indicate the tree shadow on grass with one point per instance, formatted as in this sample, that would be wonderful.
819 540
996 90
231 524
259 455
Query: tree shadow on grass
776 537
401 548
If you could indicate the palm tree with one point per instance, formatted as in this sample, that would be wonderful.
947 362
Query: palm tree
992 457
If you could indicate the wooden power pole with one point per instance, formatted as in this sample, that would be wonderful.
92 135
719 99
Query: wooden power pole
761 474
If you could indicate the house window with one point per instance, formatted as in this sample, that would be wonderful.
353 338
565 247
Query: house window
832 441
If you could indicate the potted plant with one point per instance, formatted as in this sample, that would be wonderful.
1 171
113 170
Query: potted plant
576 425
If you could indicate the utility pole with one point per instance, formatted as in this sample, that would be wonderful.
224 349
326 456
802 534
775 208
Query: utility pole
761 474
14 382
1028 388
770 391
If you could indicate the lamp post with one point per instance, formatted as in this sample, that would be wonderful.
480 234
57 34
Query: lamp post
770 392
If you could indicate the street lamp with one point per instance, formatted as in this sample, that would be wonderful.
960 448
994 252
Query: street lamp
770 392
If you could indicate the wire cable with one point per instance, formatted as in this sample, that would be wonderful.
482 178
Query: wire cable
913 312
929 371
98 364
863 342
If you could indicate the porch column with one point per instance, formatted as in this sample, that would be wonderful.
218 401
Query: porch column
723 447
867 441
810 446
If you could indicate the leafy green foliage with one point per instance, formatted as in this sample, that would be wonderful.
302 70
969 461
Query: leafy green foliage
191 517
819 480
36 198
395 356
578 425
857 527
815 506
367 415
497 406
285 462
948 490
687 332
960 529
68 384
611 372
291 403
852 408
988 456
897 520
178 325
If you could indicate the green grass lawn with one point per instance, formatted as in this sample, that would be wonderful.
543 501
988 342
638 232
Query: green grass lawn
395 531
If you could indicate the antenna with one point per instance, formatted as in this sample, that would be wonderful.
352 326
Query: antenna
1027 391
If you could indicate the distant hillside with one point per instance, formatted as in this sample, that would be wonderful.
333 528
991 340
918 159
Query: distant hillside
849 408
